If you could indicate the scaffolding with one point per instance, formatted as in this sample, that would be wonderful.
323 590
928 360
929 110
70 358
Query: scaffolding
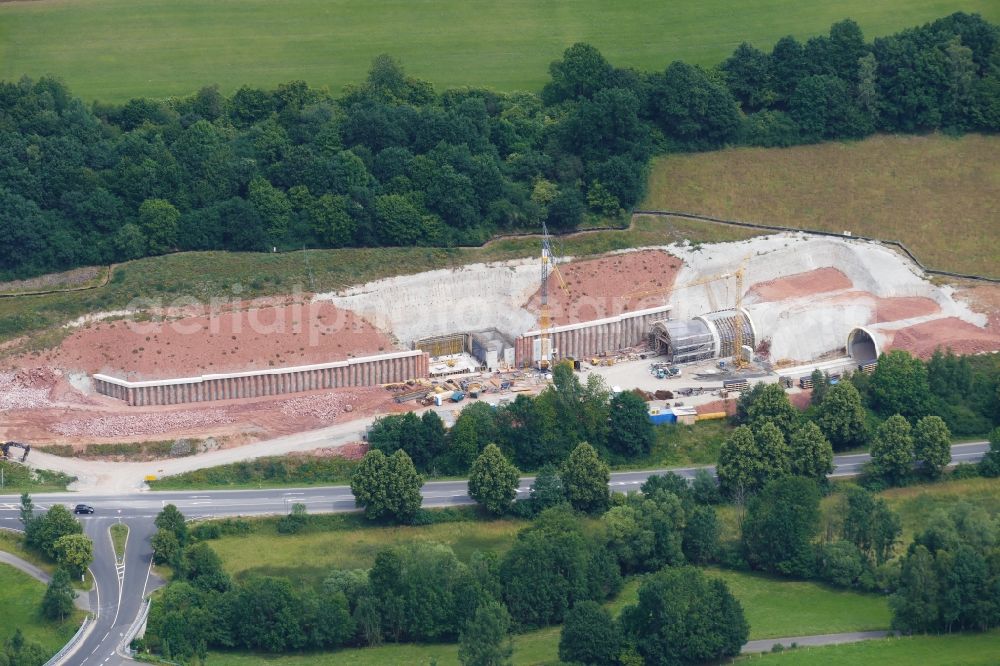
713 335
443 345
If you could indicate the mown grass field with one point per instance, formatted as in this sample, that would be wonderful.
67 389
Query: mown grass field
948 650
112 50
20 598
204 275
939 195
777 607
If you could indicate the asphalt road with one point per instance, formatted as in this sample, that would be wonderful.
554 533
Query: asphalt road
120 590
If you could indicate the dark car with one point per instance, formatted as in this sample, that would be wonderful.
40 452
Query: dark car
83 508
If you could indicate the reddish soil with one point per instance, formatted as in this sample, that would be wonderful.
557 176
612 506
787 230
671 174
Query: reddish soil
904 307
983 298
894 308
107 420
802 284
248 339
960 336
598 288
801 400
727 406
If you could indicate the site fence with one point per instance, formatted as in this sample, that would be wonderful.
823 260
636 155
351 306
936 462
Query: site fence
815 232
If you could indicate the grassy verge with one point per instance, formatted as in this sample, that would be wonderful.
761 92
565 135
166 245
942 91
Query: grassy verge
680 445
915 189
204 275
126 451
119 53
676 445
951 650
119 536
270 472
13 543
18 479
20 599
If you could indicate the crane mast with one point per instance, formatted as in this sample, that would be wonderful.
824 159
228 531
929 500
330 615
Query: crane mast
544 315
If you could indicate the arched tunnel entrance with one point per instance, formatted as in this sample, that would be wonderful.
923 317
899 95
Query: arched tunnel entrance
861 346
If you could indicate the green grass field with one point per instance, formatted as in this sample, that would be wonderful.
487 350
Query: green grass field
20 599
936 194
204 275
777 607
112 50
949 650
310 556
915 503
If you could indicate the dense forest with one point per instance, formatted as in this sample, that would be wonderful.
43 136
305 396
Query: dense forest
393 162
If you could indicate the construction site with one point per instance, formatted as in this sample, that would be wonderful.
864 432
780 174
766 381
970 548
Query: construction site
690 322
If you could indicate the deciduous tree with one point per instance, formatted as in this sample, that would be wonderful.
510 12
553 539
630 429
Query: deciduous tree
780 525
892 451
740 465
631 433
684 617
486 641
811 453
589 635
932 446
585 477
75 552
387 487
841 417
493 480
899 385
57 604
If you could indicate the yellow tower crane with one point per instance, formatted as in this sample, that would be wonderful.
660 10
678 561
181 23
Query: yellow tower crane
544 359
739 274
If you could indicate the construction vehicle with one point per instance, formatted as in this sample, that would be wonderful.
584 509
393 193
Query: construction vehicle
5 448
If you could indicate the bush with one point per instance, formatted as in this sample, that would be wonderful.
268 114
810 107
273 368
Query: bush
840 563
294 522
965 471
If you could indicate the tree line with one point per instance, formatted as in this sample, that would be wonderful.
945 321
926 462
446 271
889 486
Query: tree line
558 572
421 592
894 412
530 431
393 162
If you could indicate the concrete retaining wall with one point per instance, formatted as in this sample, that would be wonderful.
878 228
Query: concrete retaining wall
365 371
592 337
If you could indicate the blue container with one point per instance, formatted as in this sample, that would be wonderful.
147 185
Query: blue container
665 416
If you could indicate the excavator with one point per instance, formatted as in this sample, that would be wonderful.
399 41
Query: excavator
5 448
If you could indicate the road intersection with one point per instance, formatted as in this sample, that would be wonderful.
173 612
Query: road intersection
119 592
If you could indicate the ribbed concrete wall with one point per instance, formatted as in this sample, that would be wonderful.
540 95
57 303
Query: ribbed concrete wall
592 337
365 371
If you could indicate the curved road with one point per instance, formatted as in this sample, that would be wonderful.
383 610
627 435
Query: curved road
120 590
